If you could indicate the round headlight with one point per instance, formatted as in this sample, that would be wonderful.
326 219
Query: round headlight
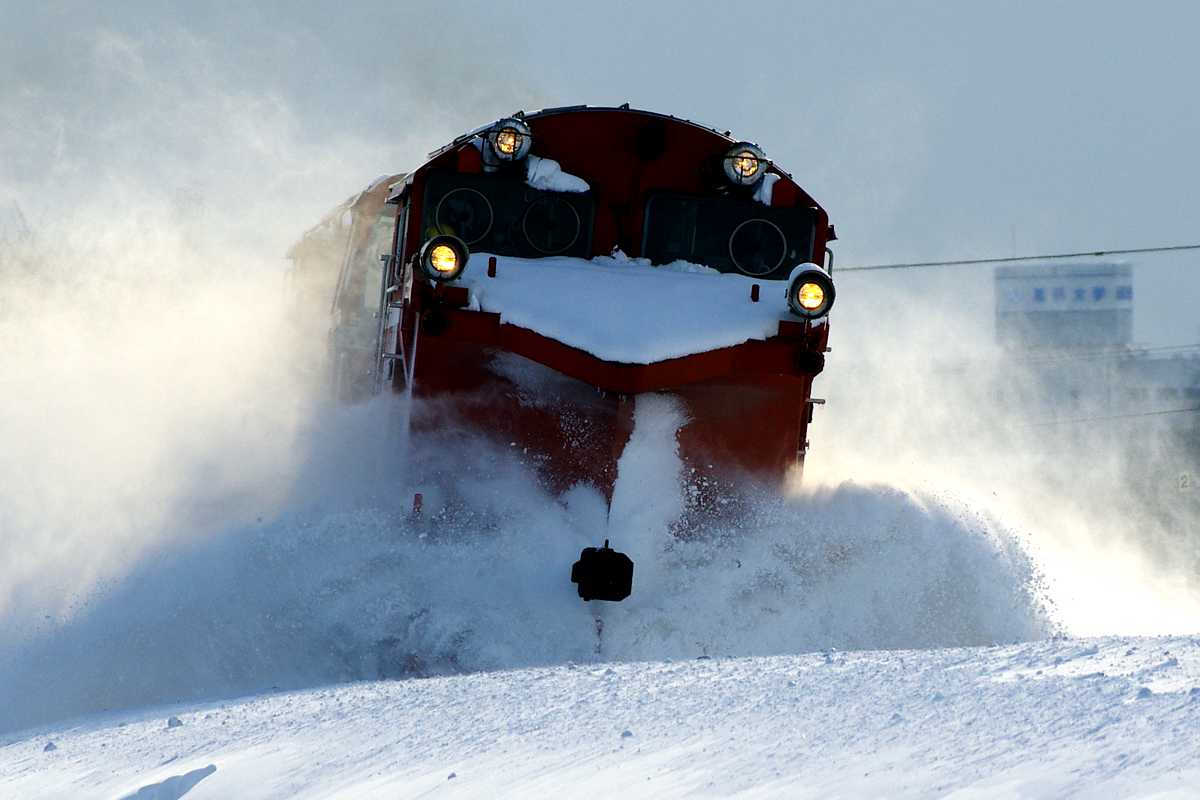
810 292
443 258
745 164
510 139
810 296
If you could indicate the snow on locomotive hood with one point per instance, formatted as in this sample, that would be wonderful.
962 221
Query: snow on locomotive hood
547 174
625 310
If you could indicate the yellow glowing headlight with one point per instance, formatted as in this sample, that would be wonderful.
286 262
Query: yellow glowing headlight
510 139
810 292
810 296
507 141
443 259
745 164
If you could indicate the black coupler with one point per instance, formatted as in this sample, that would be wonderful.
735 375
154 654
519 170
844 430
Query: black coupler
603 574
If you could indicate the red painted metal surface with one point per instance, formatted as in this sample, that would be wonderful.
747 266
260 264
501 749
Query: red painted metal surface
566 412
746 404
624 156
564 428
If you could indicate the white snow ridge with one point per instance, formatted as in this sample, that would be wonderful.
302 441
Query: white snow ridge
1045 719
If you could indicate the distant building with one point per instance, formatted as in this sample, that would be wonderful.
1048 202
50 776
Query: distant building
1049 306
1070 369
1070 328
1158 379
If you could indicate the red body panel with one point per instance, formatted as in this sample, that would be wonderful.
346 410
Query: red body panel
567 411
605 147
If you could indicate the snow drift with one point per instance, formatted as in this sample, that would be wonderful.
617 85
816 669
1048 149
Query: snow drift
1056 718
347 585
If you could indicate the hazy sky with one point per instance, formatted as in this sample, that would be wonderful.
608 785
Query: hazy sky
928 129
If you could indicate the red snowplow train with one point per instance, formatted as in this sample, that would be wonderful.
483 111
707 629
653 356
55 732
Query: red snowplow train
538 275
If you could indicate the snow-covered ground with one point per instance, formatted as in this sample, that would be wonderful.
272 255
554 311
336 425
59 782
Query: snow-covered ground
842 640
1098 718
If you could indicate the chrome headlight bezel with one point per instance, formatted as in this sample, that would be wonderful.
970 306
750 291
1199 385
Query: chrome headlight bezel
510 140
427 257
736 163
803 275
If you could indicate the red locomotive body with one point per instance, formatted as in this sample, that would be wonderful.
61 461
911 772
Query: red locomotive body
548 270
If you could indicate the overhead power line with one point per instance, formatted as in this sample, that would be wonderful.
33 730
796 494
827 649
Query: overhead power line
1114 354
1159 413
1124 354
1043 257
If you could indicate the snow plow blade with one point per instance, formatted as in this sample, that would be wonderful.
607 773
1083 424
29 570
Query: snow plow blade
603 574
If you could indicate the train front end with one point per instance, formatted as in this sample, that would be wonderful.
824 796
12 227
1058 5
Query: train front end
550 271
